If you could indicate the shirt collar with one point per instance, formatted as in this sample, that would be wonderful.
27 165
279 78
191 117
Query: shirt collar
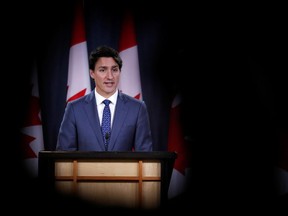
100 98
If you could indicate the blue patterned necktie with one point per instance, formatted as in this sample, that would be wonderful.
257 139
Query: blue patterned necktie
106 122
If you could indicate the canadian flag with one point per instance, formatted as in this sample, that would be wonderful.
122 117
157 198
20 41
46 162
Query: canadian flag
130 82
179 144
31 132
78 83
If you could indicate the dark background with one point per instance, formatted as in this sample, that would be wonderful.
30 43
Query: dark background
228 62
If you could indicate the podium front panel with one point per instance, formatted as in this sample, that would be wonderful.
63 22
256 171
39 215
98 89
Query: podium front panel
132 180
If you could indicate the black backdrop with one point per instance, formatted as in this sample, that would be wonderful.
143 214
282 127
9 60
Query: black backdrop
229 65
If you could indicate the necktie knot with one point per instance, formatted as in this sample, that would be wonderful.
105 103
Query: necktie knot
106 102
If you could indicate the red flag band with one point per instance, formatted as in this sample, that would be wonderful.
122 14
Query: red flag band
78 68
130 82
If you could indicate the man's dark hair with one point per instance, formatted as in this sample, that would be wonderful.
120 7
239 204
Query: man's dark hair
104 51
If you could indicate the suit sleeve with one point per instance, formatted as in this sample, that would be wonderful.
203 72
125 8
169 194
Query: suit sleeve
67 140
143 139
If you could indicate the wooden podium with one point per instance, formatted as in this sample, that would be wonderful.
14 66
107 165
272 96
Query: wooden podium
118 179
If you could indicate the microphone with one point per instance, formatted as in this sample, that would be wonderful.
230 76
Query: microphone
107 136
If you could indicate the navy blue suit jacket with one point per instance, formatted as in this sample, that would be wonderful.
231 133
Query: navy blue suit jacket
80 128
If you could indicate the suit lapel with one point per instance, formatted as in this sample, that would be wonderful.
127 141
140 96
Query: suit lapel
119 117
93 118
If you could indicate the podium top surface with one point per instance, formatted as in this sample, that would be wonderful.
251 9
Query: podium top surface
106 155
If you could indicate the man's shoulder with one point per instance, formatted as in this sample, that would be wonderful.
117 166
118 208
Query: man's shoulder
128 98
83 99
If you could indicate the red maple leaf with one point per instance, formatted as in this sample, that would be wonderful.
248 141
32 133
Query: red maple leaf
31 119
27 151
177 142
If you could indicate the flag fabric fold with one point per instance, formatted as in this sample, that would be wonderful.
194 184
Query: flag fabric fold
130 82
31 133
179 144
78 82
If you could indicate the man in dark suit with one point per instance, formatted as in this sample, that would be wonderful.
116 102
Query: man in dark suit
82 122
